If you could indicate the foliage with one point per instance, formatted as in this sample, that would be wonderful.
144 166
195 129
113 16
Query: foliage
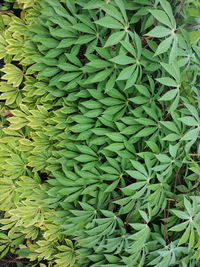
99 138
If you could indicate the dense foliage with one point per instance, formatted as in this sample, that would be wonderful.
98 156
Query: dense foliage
99 137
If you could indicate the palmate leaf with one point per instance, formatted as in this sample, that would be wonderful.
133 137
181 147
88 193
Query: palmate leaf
10 94
67 254
13 75
190 222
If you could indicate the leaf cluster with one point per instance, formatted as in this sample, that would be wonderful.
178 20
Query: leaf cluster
100 133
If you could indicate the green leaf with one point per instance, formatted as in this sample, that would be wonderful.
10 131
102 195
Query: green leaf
146 132
86 150
171 137
194 36
91 104
99 64
173 150
174 51
161 17
167 81
116 137
144 215
159 32
139 100
133 187
192 239
13 74
188 206
191 135
114 38
132 79
153 146
122 60
100 131
129 47
179 227
49 42
83 28
83 39
69 76
121 6
80 128
109 170
94 154
180 214
137 175
194 12
173 70
101 76
170 125
109 22
167 8
145 121
193 111
109 101
163 158
112 186
111 82
174 104
151 112
94 113
85 158
138 44
143 90
126 73
113 12
189 121
169 95
138 166
49 72
164 46
115 147
185 236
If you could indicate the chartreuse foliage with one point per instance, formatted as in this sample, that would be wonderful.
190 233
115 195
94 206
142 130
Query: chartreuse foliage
99 141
